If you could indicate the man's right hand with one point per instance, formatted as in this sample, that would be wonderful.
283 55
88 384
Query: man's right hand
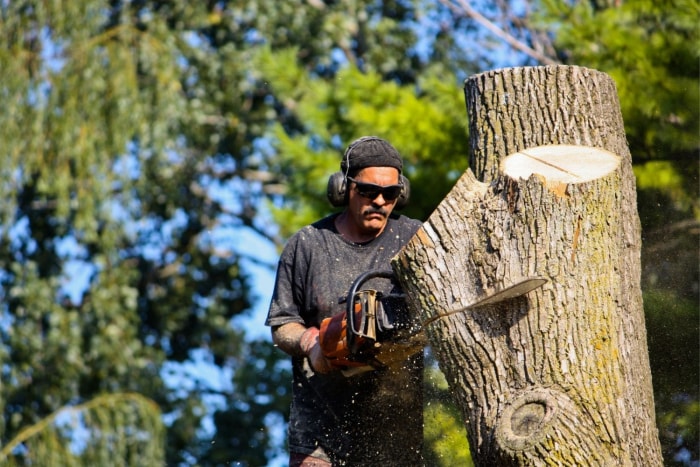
312 349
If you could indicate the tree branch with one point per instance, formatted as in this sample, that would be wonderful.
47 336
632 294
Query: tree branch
466 9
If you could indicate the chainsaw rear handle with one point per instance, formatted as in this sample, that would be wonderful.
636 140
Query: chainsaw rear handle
350 302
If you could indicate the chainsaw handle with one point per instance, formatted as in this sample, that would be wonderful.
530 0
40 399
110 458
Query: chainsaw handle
350 301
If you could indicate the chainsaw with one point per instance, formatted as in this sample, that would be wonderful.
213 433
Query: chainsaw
375 329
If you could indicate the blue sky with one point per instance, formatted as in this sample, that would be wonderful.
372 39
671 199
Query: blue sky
262 280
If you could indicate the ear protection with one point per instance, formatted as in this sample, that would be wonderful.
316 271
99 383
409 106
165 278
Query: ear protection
338 196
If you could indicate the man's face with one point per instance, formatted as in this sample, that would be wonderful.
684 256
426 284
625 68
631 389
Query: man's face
370 215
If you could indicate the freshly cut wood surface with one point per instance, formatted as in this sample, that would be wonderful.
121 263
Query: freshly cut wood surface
561 163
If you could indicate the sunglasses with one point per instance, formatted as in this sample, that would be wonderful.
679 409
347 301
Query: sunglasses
371 191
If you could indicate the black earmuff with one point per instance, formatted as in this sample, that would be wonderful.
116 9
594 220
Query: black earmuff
405 195
337 192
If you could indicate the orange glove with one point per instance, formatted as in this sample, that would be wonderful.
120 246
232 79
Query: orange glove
312 349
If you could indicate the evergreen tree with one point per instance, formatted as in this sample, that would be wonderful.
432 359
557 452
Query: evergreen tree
123 123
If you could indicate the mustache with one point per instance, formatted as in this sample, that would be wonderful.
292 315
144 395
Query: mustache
374 210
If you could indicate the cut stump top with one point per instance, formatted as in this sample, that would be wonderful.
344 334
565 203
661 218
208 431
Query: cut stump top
561 163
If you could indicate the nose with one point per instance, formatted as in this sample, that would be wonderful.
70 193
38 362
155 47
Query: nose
379 200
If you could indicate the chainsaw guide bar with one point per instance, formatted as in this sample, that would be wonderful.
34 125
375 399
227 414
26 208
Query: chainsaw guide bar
517 289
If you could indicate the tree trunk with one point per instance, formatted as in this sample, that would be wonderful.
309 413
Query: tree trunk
559 375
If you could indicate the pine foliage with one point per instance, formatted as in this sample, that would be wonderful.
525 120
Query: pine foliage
113 429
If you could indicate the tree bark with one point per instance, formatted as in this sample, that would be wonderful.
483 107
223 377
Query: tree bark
560 375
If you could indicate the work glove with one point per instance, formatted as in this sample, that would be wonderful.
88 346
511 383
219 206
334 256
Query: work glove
312 349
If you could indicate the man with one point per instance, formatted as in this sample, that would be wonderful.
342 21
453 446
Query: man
368 419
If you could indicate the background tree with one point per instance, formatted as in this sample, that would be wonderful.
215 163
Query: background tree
118 139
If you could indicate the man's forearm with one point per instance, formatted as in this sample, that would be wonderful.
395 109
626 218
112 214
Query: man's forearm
297 340
288 338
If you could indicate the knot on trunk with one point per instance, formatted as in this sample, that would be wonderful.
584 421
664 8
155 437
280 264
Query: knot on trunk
528 417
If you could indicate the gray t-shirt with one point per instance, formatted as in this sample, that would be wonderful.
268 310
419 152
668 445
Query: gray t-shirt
373 418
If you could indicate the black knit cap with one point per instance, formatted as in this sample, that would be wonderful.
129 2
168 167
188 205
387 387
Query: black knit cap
370 151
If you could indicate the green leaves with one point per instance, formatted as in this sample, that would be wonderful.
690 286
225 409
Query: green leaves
444 433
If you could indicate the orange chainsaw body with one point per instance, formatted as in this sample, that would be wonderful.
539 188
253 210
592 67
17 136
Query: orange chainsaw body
338 342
